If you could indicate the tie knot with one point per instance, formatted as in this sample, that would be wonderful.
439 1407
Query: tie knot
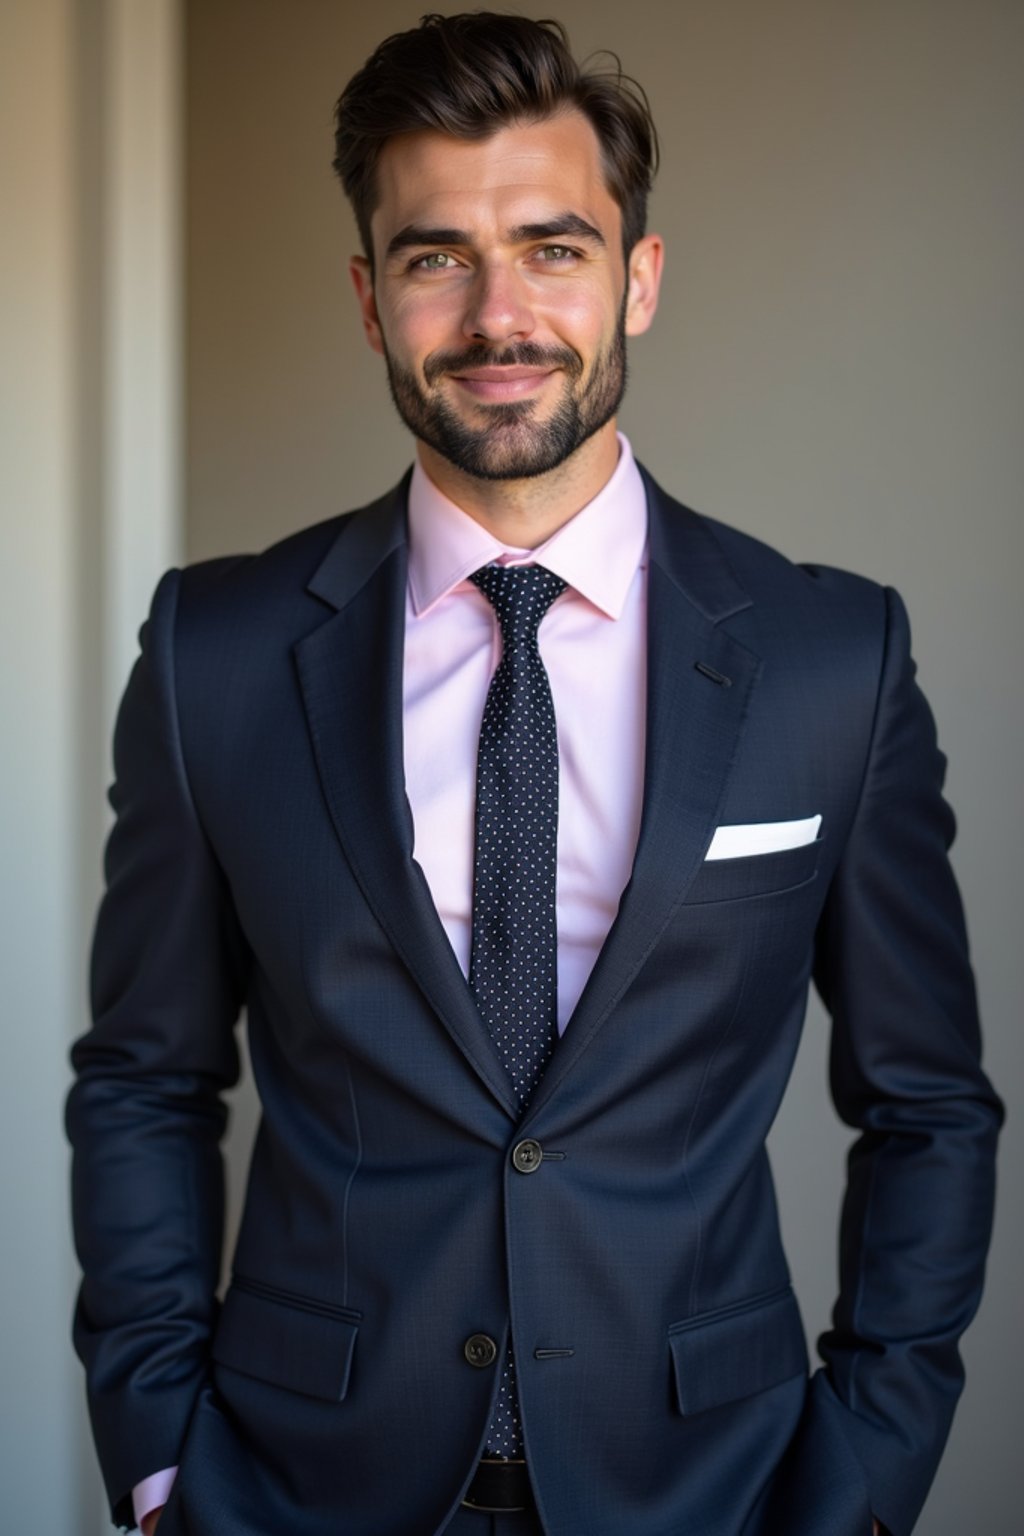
520 596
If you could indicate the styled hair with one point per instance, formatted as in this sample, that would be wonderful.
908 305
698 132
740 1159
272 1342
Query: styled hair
470 75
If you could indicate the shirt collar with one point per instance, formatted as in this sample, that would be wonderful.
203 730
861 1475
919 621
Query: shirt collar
597 551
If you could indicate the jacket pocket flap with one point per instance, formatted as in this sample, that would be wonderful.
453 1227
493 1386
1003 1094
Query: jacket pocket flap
306 1348
736 1352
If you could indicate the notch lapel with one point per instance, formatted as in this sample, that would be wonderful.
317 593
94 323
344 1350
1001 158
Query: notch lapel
350 674
699 684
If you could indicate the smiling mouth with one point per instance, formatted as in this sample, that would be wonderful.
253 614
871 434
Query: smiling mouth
510 383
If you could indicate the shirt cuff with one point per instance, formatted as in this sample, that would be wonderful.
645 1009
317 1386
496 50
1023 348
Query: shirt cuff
152 1492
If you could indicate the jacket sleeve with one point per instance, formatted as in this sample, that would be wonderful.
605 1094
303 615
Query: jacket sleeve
145 1115
892 967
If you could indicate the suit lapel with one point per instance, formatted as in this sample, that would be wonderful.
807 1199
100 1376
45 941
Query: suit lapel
350 673
699 685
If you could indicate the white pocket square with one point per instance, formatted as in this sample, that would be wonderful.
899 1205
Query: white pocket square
740 841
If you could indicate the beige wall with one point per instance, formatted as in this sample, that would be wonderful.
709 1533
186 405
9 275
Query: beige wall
89 397
838 367
41 1440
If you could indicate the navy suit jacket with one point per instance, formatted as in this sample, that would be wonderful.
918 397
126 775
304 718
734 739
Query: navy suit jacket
262 857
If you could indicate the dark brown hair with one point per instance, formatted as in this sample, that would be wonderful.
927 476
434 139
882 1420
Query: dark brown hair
471 74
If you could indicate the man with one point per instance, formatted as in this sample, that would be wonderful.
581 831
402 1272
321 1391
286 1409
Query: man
519 810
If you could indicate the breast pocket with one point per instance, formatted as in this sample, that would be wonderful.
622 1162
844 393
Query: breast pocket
760 874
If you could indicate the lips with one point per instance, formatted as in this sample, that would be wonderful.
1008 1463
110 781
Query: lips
508 383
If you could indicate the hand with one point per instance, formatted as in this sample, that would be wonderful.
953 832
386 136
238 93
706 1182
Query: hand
150 1521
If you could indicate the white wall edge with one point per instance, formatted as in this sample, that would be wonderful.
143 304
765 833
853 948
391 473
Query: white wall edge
143 318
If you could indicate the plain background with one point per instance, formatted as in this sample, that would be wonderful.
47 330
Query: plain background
837 366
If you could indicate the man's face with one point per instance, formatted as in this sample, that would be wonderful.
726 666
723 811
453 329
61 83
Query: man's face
500 302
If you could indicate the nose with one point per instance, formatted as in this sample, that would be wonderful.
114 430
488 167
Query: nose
498 309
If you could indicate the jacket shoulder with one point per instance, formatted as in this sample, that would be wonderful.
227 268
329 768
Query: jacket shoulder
287 564
769 575
727 571
286 583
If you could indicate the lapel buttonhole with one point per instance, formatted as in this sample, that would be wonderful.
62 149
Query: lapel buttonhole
716 677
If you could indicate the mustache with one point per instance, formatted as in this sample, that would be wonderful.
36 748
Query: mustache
524 354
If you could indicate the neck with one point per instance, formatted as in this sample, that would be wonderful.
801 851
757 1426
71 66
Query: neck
524 513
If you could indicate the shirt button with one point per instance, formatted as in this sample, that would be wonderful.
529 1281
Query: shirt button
526 1157
480 1350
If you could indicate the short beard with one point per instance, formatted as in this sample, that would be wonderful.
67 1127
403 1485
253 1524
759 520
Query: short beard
512 446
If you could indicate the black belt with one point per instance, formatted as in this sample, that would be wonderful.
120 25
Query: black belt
500 1488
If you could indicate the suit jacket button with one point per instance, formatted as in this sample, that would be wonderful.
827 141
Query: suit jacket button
480 1350
526 1156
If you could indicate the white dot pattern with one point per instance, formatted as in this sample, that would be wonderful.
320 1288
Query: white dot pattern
513 962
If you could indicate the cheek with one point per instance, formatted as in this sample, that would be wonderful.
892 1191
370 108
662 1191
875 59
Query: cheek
581 317
420 323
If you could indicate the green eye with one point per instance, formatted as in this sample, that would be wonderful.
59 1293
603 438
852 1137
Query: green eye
436 261
556 255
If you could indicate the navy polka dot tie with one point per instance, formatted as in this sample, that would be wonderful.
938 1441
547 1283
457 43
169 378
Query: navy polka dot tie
513 964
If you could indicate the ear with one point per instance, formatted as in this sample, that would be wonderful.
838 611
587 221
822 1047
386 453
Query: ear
644 276
362 281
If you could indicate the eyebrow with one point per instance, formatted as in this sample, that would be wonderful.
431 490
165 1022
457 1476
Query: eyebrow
563 225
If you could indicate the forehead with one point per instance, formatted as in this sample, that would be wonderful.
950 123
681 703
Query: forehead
516 174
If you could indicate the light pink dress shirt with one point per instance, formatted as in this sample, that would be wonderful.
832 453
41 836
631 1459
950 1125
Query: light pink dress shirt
593 642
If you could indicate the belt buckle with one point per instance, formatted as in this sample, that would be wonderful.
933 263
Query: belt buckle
495 1509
